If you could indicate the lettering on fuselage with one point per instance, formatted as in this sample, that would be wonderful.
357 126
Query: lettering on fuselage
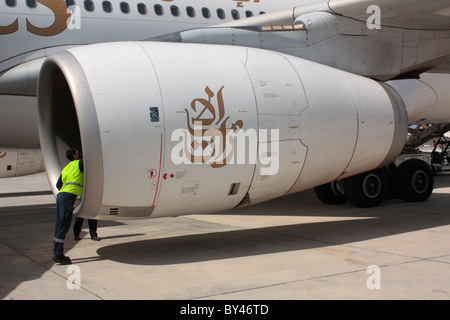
239 3
63 19
60 24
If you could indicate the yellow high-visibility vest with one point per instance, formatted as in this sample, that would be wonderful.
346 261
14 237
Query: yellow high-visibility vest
72 179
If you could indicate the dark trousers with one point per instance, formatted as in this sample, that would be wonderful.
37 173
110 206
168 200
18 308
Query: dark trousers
79 223
64 210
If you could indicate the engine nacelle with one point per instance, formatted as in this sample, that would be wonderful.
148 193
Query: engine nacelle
426 99
171 129
20 162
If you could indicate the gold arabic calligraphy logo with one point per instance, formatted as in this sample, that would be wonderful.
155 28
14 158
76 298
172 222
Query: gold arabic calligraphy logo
213 141
240 2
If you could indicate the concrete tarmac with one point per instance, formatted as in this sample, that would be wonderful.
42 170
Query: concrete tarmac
290 248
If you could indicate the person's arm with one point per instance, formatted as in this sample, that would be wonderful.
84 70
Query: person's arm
81 165
59 184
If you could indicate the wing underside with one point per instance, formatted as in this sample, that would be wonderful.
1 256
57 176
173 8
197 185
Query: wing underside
406 14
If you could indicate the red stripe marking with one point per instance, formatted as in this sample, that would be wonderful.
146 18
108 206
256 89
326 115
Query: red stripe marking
159 171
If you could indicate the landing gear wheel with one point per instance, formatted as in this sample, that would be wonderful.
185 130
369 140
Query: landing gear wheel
367 189
330 193
415 181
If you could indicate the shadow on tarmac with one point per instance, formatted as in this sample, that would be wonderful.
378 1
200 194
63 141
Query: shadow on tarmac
26 232
394 218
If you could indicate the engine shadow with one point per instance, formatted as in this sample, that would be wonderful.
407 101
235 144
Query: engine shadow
361 225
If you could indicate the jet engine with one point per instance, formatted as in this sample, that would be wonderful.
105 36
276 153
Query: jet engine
169 129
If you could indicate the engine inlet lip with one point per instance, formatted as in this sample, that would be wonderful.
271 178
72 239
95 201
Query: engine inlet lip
66 63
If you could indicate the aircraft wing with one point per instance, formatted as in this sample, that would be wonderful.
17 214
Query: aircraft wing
409 37
443 68
406 14
428 16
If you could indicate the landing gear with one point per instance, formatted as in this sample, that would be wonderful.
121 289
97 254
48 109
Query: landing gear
411 181
331 193
415 181
367 189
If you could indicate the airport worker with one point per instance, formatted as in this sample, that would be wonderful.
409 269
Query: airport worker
92 229
70 186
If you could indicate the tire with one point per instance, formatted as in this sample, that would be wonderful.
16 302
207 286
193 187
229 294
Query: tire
415 181
368 189
330 193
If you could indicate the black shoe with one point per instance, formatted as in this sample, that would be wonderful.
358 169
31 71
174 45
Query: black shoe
95 238
76 237
62 259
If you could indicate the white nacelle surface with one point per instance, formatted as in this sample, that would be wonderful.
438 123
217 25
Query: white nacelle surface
427 99
171 129
20 162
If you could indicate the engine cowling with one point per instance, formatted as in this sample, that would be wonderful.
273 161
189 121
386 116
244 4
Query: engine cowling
171 129
20 162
